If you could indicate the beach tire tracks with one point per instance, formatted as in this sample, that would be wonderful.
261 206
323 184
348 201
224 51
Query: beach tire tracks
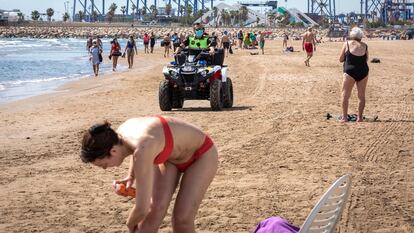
373 152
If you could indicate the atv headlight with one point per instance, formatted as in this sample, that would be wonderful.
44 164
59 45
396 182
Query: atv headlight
173 73
188 69
203 73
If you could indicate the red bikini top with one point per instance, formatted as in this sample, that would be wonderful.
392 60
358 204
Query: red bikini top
169 143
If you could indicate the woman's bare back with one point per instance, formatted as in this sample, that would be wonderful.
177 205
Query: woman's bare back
186 137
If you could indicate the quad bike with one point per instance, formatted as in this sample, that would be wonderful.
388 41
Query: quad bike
195 75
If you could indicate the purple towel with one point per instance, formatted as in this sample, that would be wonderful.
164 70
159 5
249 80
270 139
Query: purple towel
275 225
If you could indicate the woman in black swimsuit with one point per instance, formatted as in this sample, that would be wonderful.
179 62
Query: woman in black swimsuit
354 54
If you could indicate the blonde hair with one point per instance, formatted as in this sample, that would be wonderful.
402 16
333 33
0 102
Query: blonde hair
356 33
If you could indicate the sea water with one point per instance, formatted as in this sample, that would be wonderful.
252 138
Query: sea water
30 67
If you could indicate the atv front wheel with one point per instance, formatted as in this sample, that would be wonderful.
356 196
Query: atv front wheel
164 96
228 97
216 95
178 102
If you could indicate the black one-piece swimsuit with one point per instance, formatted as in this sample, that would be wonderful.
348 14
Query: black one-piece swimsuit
356 66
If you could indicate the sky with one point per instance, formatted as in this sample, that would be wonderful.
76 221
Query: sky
26 6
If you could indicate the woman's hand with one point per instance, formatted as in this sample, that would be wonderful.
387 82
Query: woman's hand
132 221
128 181
132 228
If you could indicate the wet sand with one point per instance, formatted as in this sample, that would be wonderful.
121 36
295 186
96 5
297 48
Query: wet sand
278 153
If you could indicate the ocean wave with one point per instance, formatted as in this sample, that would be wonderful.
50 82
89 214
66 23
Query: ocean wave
20 82
2 88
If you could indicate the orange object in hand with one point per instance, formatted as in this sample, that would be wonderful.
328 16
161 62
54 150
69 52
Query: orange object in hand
121 189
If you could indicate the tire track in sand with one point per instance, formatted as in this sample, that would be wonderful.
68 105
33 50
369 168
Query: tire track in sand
398 124
382 139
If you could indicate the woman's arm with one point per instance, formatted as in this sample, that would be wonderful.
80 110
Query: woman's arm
143 169
126 46
342 55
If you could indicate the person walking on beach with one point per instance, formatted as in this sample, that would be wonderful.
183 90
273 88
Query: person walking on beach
152 42
129 49
175 40
167 45
261 41
308 45
89 44
115 53
225 43
146 41
161 150
285 41
354 55
240 38
99 42
95 57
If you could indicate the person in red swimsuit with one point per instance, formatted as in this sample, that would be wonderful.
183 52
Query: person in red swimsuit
308 45
162 150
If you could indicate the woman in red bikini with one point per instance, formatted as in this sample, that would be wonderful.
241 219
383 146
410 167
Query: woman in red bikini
162 150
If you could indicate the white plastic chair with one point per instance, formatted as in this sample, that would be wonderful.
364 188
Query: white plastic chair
327 212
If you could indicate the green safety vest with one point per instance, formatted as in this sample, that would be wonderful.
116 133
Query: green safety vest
193 43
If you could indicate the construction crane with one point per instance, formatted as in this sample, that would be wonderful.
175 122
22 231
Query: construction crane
388 10
325 8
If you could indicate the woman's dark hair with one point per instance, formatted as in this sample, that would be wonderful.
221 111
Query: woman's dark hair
97 142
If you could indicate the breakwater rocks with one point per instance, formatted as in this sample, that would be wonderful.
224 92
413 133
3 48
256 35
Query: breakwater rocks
125 32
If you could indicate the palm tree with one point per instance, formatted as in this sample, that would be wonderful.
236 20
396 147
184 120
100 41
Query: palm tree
233 17
49 12
143 11
35 15
81 15
222 16
66 17
188 11
168 9
20 15
133 7
154 11
123 10
94 16
244 14
182 10
111 11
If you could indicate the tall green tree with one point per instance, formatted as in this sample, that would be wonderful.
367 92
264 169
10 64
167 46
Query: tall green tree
35 15
143 11
65 17
168 9
20 15
244 14
49 12
111 11
154 11
123 9
188 11
81 15
94 16
134 8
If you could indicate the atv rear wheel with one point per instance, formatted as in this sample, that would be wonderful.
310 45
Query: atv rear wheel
228 97
164 96
216 95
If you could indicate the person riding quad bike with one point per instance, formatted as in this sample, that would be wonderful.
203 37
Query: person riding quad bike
198 73
198 42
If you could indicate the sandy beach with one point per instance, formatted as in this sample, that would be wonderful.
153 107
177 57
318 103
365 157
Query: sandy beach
278 153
